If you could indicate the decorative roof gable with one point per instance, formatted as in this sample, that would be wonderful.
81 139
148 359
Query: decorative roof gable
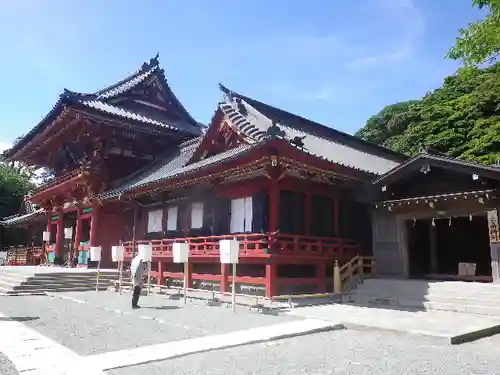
143 97
254 118
429 158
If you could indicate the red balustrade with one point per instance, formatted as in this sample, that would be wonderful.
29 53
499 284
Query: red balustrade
293 244
250 245
256 244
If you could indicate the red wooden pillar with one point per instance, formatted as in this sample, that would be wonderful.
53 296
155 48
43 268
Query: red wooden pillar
49 221
224 271
78 236
321 277
161 270
274 206
59 232
94 223
271 280
308 213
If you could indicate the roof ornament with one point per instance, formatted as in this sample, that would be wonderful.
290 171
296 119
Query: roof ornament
298 141
241 107
154 61
275 132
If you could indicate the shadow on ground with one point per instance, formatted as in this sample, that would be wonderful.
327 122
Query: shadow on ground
160 307
18 318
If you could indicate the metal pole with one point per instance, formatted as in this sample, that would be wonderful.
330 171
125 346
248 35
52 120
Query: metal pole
149 277
134 227
97 276
185 281
233 289
120 277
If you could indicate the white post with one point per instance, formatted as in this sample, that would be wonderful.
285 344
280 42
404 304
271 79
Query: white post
147 256
149 277
120 278
97 277
180 252
229 254
185 281
118 255
233 289
95 256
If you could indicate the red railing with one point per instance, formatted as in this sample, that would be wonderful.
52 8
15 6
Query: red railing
250 244
257 244
292 244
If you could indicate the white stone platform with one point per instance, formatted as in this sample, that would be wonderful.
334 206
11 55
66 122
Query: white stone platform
32 270
145 354
456 328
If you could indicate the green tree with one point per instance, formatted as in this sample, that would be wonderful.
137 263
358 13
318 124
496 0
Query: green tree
461 118
479 43
14 185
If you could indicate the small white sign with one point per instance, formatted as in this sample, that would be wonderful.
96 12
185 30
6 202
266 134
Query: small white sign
46 236
95 253
229 251
68 233
146 251
118 253
180 252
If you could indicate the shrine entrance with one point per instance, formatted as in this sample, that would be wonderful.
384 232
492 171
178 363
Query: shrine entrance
449 248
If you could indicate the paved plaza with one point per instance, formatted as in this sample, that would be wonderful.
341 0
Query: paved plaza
97 333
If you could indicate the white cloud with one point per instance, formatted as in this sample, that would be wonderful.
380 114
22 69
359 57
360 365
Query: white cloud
408 26
4 146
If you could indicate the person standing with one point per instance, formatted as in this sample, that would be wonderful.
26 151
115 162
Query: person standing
138 268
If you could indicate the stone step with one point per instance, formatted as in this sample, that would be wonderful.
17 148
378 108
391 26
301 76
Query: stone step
452 326
420 286
470 306
41 291
36 284
493 298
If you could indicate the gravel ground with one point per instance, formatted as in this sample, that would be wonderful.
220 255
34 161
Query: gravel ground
6 366
339 352
106 322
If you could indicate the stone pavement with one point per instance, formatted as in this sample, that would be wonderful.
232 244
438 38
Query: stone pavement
453 327
101 331
346 352
90 330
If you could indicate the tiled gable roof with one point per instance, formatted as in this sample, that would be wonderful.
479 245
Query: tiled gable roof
173 166
98 101
433 157
254 123
19 219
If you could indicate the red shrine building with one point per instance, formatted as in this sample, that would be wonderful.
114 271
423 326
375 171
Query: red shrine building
132 166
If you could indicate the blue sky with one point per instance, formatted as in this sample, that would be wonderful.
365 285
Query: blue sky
336 62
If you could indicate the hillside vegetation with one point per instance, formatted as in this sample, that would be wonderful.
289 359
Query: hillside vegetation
461 118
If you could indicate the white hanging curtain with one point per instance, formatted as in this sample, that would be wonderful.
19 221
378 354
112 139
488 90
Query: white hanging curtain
237 215
172 218
197 215
155 219
248 214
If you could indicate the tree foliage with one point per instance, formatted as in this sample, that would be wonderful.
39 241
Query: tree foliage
461 118
480 42
14 185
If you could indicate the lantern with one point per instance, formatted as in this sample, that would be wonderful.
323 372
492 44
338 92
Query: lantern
180 252
229 251
146 251
118 253
95 253
46 236
68 233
